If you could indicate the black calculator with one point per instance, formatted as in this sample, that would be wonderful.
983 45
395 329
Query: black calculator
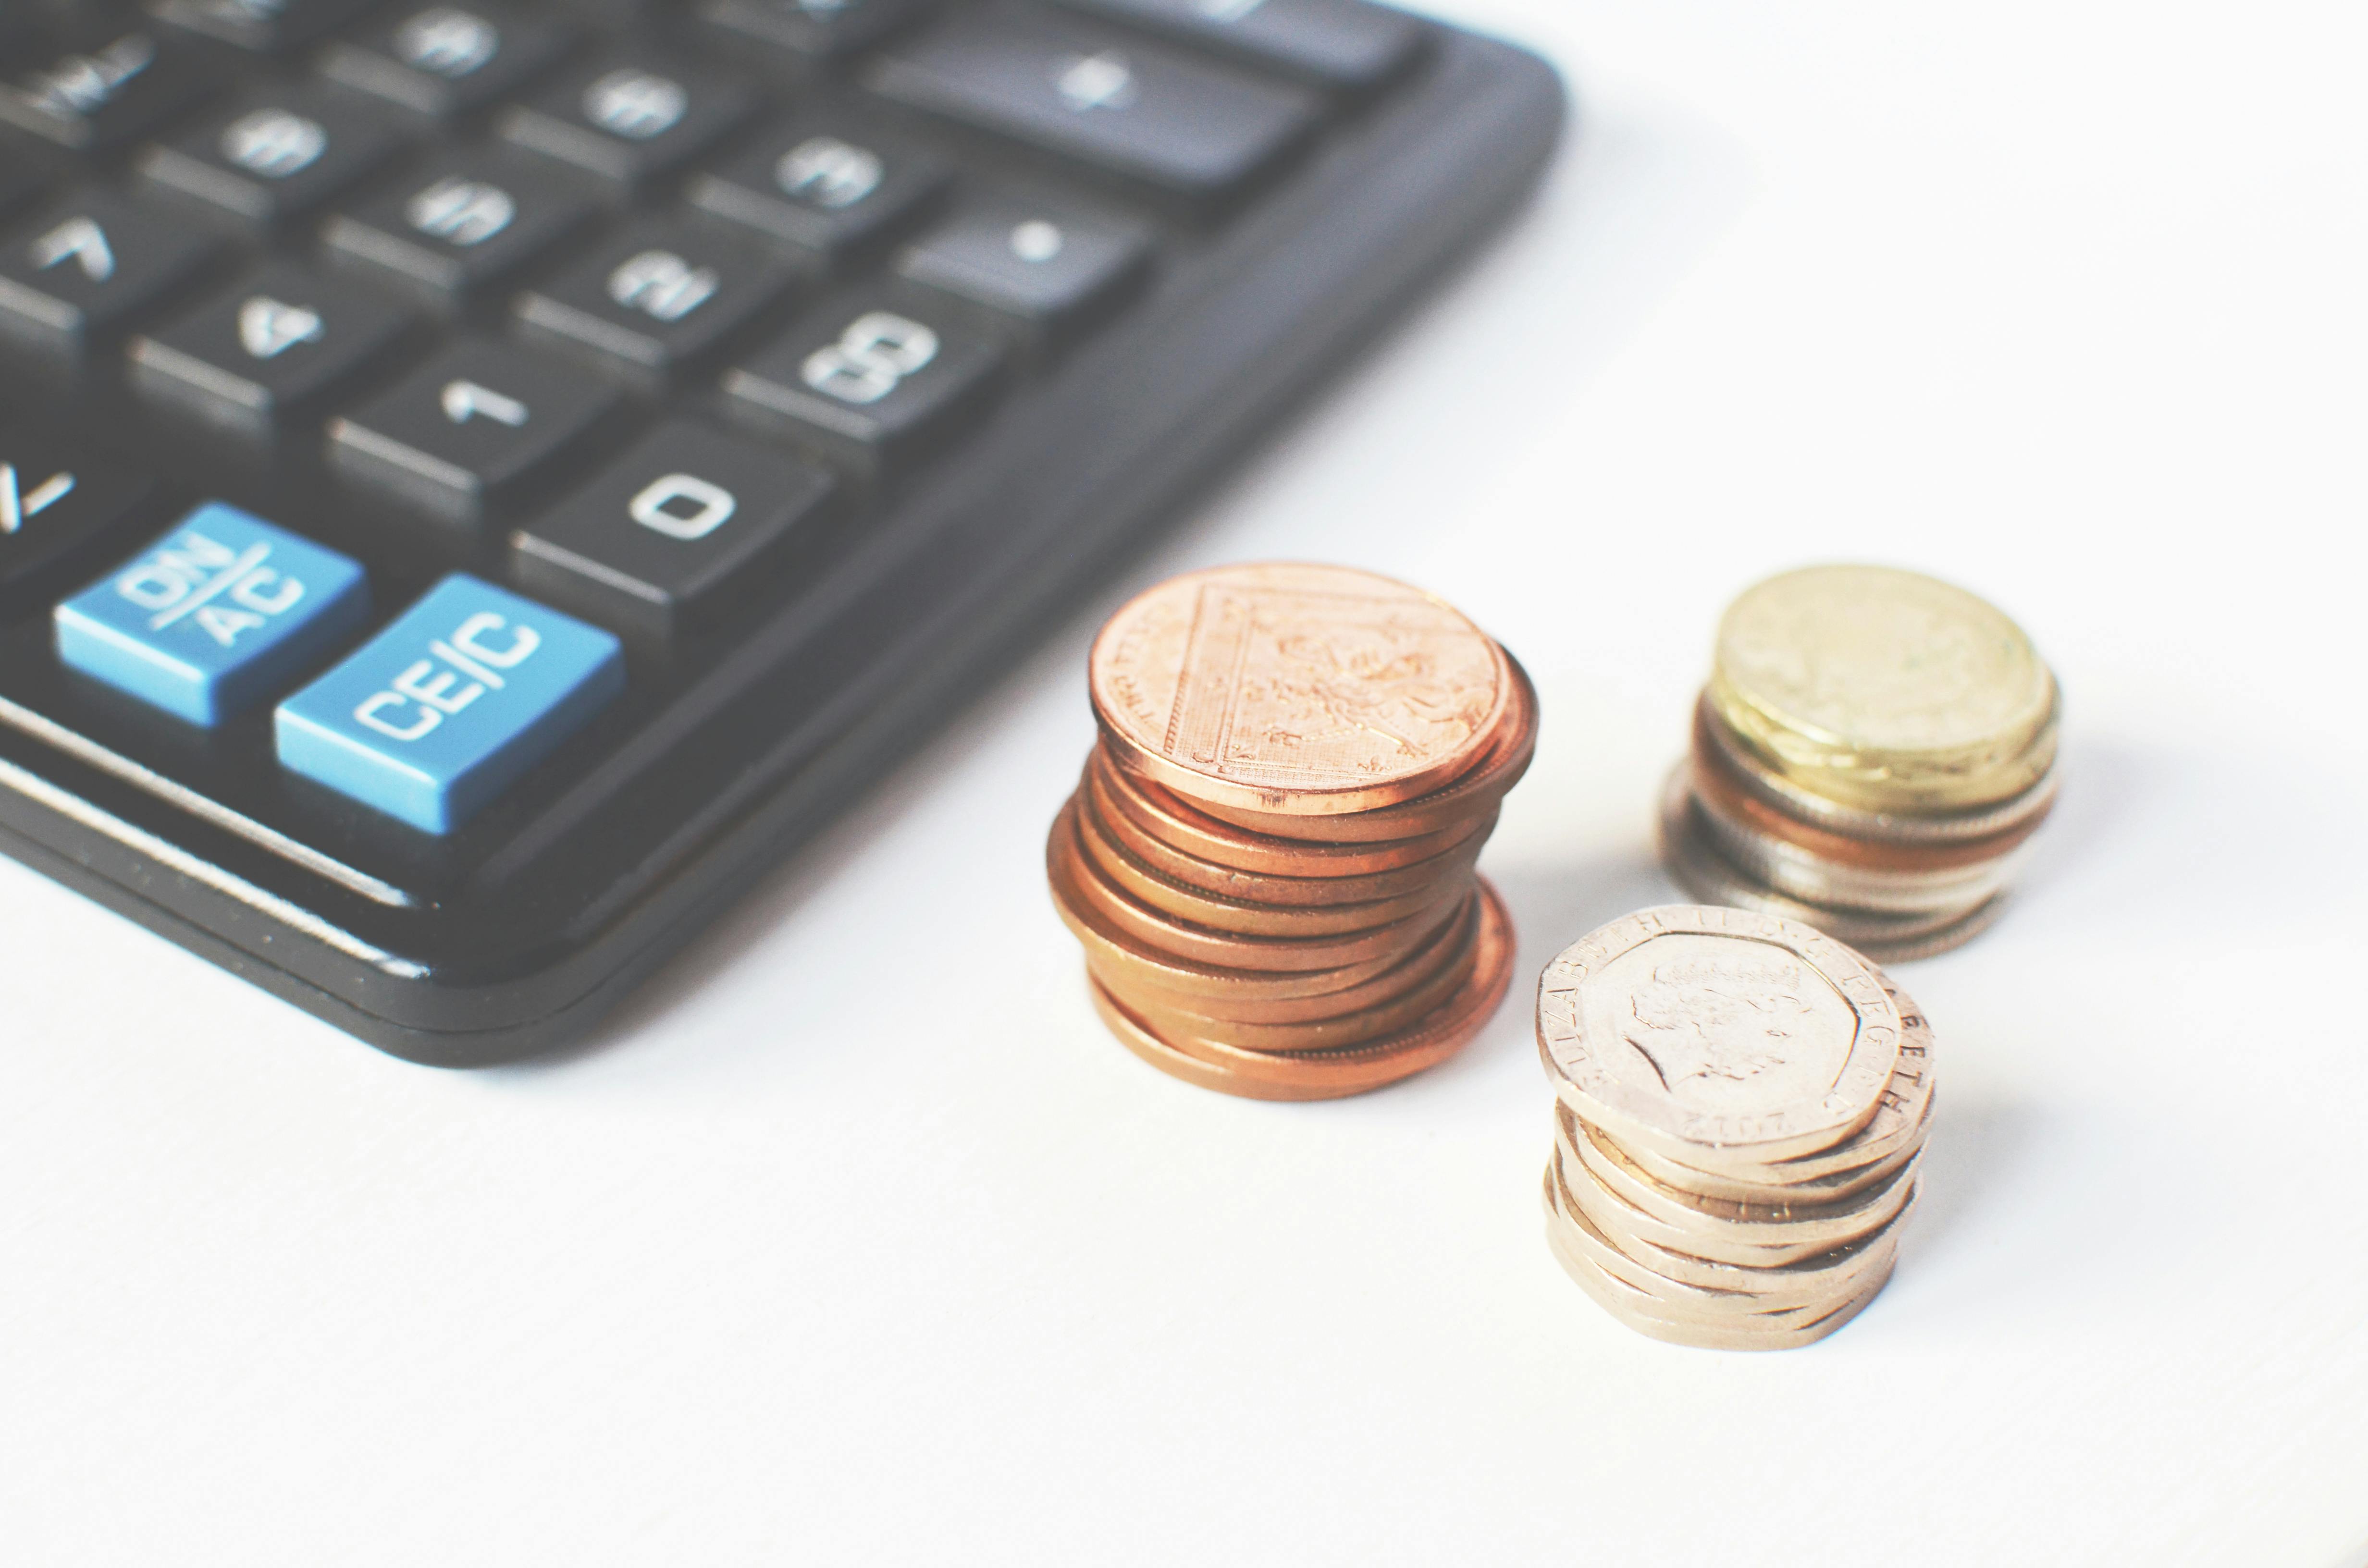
481 481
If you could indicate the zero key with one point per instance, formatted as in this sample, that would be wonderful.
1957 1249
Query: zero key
1139 111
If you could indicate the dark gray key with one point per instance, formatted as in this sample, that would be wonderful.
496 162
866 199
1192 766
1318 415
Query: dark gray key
1137 109
871 380
458 228
475 428
685 526
60 512
816 29
822 185
264 357
85 266
448 60
1044 268
628 120
659 294
265 27
104 97
271 157
1337 43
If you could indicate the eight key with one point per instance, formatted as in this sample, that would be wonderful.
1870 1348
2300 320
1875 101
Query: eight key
269 156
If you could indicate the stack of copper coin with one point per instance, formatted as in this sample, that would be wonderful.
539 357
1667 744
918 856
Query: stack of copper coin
1742 1109
1269 858
1872 755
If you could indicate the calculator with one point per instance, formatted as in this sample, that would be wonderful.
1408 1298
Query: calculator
481 483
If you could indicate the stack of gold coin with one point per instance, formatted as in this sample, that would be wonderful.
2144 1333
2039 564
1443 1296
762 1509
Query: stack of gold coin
1872 755
1269 858
1741 1110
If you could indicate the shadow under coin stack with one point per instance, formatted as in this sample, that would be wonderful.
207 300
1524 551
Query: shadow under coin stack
1269 858
1872 755
1742 1104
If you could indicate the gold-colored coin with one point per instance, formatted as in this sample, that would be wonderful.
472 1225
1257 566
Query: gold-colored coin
1296 689
1819 1226
1884 690
1640 1313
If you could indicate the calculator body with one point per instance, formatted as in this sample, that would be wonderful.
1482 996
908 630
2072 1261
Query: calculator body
746 702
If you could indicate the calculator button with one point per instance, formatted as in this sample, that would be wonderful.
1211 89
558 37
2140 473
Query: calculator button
818 30
867 382
628 120
448 60
1140 111
271 157
1337 43
1042 269
458 228
265 26
57 508
659 294
688 523
470 430
269 352
822 186
436 715
18 186
111 93
214 616
82 270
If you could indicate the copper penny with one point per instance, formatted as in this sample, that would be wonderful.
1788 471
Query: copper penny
1195 832
1241 916
1116 813
1241 1007
1107 944
1476 791
1332 1075
1302 690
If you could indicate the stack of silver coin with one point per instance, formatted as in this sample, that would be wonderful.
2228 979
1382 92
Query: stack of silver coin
1872 756
1742 1108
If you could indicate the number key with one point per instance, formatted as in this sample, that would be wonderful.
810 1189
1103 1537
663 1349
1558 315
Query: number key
444 61
83 270
821 186
104 97
270 156
656 295
687 524
265 27
470 430
628 120
272 350
816 29
869 383
458 228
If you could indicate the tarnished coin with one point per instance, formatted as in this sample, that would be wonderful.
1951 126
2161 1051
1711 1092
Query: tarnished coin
1296 689
1477 792
1688 1029
1317 1075
1883 687
1225 949
1194 832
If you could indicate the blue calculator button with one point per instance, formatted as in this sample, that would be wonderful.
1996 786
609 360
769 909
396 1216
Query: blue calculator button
437 714
214 616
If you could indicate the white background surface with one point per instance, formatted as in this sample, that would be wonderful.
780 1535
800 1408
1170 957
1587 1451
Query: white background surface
856 1240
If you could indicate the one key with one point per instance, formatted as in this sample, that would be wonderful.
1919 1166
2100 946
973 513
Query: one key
1043 269
814 30
440 712
868 381
264 27
1333 44
656 296
267 355
470 430
822 186
445 61
59 509
1140 111
458 228
104 97
686 525
628 120
214 617
270 157
84 269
